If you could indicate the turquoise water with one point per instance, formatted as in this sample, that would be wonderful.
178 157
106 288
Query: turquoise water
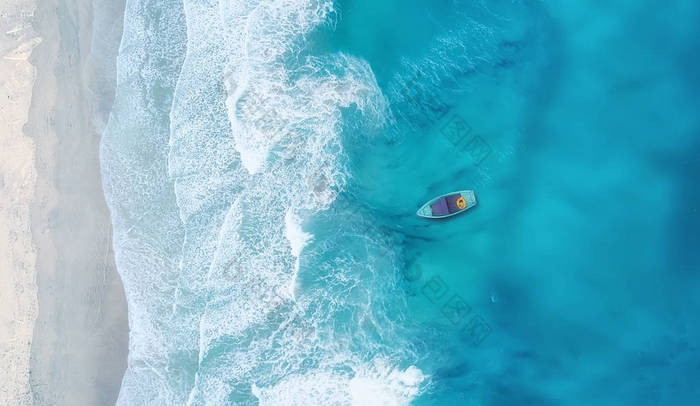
264 160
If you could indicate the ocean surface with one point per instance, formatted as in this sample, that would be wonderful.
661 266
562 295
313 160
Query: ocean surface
263 162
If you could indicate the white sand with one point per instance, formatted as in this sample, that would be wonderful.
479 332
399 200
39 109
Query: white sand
18 290
55 234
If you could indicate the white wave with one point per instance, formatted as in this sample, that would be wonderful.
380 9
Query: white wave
386 386
255 151
147 230
376 384
295 234
297 241
285 112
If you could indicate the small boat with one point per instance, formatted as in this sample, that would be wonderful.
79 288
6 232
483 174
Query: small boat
448 205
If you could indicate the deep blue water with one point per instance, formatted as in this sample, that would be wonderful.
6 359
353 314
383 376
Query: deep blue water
264 161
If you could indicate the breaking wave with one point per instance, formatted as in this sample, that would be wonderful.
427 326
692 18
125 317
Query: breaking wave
221 159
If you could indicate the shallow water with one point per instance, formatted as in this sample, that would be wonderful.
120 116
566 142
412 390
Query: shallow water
264 160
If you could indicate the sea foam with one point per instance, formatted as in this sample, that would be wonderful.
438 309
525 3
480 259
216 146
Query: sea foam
375 384
255 151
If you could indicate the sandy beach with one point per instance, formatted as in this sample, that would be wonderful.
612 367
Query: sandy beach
62 307
18 291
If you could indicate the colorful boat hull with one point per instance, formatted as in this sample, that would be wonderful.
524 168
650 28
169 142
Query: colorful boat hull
441 207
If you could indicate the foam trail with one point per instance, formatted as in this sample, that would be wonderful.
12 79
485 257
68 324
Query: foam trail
146 225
